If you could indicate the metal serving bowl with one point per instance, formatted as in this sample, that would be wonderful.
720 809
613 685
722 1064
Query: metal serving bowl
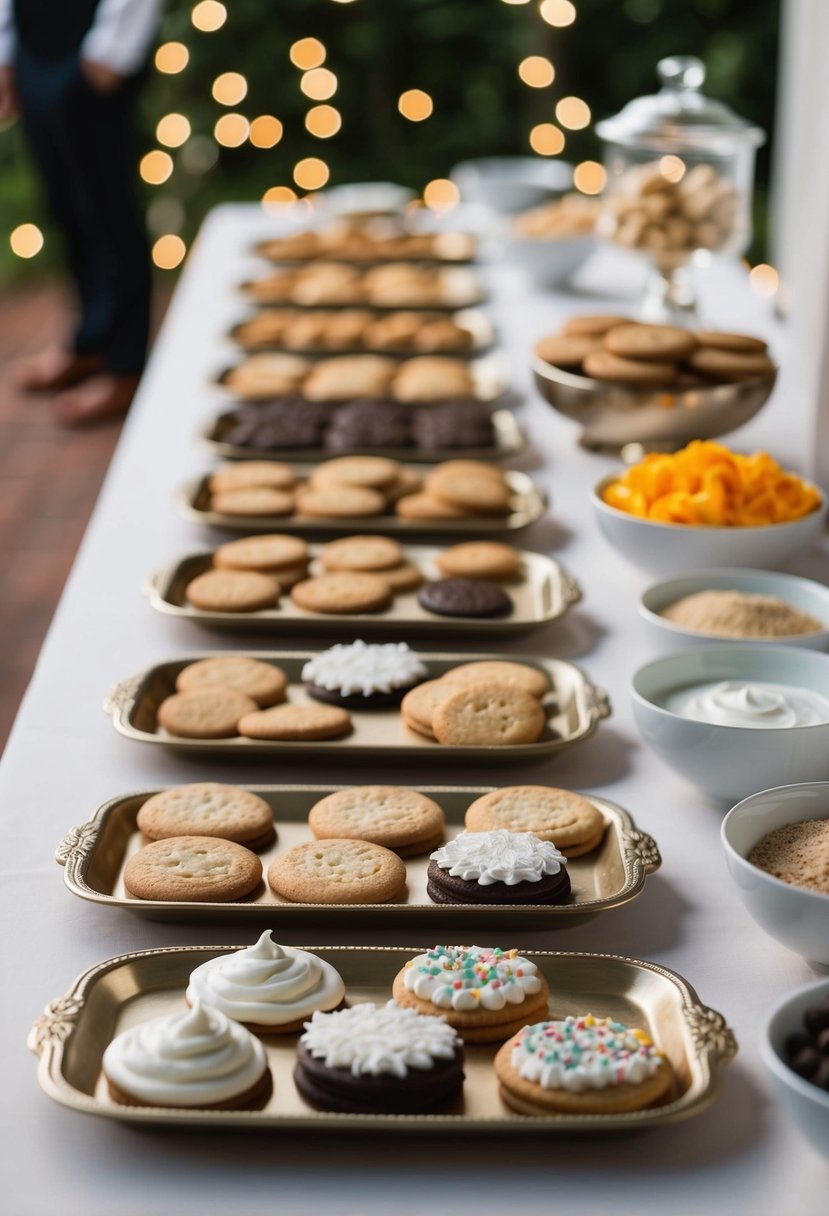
613 415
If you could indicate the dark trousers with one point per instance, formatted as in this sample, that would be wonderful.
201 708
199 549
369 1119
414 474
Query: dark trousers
83 145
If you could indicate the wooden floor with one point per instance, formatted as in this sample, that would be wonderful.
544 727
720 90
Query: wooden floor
49 480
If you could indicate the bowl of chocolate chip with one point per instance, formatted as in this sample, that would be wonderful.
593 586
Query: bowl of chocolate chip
776 846
795 1051
658 386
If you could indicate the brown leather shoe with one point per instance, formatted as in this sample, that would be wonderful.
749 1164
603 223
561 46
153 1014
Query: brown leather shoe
99 399
53 369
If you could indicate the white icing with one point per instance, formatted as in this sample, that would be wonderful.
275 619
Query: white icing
759 705
471 977
499 856
193 1058
584 1053
267 984
359 667
371 1041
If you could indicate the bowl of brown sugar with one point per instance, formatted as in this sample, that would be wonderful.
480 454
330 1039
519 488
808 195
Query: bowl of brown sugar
732 605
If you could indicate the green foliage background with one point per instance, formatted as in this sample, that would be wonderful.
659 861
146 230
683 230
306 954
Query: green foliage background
463 52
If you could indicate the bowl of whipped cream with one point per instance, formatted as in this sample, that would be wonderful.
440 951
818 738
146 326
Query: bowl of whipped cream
735 719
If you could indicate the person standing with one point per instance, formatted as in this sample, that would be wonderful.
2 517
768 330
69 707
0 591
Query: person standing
73 71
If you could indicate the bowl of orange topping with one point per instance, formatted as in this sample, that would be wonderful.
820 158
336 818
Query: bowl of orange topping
708 506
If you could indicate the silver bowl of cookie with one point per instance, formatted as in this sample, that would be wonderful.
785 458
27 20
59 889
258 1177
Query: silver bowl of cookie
660 386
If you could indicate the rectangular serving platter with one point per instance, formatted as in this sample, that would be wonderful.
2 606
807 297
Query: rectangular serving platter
574 709
528 505
543 593
95 853
476 322
466 290
509 439
70 1038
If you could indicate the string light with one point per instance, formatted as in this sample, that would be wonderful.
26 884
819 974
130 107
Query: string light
323 121
230 88
311 173
231 130
169 251
26 240
265 131
672 168
415 105
546 139
573 113
441 194
764 279
172 57
209 16
307 53
319 84
173 130
155 167
557 12
279 195
589 177
536 71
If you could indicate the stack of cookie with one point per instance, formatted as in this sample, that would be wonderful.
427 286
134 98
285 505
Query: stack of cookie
460 489
345 377
353 329
482 704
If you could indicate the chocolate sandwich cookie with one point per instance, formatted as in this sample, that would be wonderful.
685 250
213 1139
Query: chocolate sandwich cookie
464 597
453 424
291 422
443 888
497 867
368 424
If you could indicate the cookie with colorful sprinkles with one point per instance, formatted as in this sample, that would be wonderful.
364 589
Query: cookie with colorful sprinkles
484 992
583 1065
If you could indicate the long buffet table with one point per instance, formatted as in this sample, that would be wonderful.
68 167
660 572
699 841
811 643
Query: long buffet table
64 758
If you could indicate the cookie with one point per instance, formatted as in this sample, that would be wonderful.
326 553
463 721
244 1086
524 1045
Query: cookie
604 365
433 378
499 671
442 335
571 822
425 506
453 424
472 491
418 706
405 577
336 871
406 482
258 500
480 559
399 819
296 723
340 502
201 869
233 591
497 867
365 553
484 992
582 1065
211 714
292 423
360 675
342 592
651 342
251 473
470 597
730 365
741 343
207 808
265 683
563 351
339 378
594 326
267 375
372 472
268 554
489 715
369 425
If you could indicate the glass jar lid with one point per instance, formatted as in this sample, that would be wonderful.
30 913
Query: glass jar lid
679 115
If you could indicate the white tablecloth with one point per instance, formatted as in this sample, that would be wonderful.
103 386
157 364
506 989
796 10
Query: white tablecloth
64 758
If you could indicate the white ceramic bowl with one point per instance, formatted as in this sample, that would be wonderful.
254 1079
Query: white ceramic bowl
549 262
674 548
801 593
510 184
728 763
805 1104
797 918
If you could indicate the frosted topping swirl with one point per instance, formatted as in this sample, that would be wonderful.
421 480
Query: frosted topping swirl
471 977
358 667
759 705
373 1042
584 1053
194 1058
499 856
267 984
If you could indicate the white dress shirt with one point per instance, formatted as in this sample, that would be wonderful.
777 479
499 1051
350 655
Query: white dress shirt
119 38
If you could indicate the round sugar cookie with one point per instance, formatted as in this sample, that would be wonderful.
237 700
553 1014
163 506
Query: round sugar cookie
246 474
730 365
300 723
499 671
207 808
199 868
233 591
471 491
339 501
571 822
480 559
209 714
257 500
366 554
399 819
563 350
743 343
405 577
418 706
426 506
265 683
660 342
371 472
342 592
263 554
489 715
337 871
604 365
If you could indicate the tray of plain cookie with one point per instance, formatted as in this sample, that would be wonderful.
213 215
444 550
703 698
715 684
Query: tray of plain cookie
123 1019
479 589
611 872
359 701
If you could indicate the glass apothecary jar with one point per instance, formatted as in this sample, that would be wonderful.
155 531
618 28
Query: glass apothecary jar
680 173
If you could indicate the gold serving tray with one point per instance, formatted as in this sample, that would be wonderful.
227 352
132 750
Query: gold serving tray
70 1038
574 709
476 322
95 853
509 439
465 290
543 594
528 505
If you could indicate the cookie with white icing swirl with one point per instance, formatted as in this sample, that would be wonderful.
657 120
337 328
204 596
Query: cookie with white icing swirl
362 675
498 867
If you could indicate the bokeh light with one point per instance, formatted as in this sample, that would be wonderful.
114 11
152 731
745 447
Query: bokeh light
573 113
311 173
155 167
536 71
199 154
557 12
546 139
764 279
169 251
231 130
172 57
165 214
307 53
672 167
441 194
279 196
173 130
323 121
26 240
209 16
319 84
230 88
265 131
415 105
589 177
